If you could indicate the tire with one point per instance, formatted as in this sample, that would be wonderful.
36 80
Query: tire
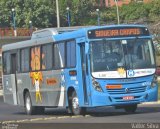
75 109
30 110
130 108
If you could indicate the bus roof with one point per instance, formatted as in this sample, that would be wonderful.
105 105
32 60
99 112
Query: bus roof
49 35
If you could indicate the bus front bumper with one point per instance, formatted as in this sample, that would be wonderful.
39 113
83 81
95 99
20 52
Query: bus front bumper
105 99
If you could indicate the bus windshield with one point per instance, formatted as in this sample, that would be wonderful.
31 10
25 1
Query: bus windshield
111 58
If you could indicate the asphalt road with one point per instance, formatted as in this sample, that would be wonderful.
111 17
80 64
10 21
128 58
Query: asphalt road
147 114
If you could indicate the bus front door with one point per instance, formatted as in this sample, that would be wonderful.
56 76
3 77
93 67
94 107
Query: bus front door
84 72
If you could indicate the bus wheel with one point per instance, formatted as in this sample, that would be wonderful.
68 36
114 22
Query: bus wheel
130 108
30 110
76 110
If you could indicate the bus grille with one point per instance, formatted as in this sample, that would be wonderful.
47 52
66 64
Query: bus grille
127 90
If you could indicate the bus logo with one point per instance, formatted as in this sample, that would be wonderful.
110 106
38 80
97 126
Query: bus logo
127 90
131 73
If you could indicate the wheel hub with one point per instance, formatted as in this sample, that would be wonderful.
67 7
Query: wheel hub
28 104
75 103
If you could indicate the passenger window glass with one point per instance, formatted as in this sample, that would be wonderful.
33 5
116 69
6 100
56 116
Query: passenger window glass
6 63
35 59
59 55
71 54
56 58
25 60
46 56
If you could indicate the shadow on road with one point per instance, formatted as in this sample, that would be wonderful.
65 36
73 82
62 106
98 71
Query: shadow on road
111 111
99 112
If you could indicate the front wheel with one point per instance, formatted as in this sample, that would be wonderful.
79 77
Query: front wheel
75 109
130 108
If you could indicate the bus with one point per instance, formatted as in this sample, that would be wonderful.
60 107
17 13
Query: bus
80 68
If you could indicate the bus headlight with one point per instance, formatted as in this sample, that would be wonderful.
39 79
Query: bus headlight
154 82
96 85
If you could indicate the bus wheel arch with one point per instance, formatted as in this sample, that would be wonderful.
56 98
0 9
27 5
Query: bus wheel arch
69 96
73 103
30 110
24 93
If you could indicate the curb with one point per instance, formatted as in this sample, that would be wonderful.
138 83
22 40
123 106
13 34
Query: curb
156 102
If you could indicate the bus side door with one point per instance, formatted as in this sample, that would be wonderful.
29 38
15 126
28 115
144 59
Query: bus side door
9 80
84 68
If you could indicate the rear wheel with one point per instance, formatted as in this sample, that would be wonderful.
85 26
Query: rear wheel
30 110
75 109
130 108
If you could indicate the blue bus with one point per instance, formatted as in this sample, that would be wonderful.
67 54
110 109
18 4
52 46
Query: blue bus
81 68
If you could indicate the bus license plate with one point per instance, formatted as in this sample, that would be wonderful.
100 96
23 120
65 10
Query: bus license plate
128 97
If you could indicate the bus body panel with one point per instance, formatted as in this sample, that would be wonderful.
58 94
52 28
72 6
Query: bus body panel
138 88
9 89
50 89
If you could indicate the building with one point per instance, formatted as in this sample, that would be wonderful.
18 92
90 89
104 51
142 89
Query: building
110 3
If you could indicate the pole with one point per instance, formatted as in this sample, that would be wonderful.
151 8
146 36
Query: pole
98 17
58 19
14 22
117 11
68 17
31 28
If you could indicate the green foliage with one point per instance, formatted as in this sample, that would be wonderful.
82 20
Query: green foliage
83 12
39 12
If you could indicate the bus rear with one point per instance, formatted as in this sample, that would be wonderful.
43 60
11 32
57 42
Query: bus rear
122 66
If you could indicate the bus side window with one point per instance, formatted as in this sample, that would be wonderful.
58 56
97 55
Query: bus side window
46 57
59 55
24 60
6 63
71 54
35 61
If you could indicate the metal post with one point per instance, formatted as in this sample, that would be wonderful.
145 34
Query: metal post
98 17
58 19
117 11
30 27
14 22
68 16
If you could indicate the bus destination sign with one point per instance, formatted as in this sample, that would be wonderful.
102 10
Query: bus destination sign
118 32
